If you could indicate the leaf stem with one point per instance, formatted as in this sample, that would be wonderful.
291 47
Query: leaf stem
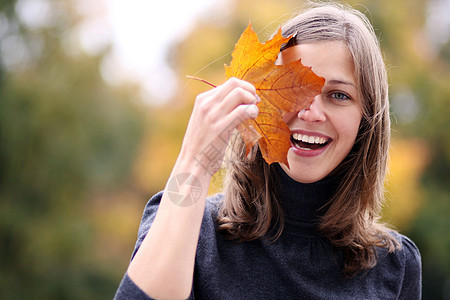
202 80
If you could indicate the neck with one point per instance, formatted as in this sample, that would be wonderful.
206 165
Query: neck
304 203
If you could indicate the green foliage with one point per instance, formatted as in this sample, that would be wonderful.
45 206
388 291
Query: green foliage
64 135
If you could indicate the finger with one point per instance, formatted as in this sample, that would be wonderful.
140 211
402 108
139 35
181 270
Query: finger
233 83
240 114
236 97
233 93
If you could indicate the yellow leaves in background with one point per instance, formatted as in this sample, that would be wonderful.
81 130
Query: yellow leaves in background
408 159
152 166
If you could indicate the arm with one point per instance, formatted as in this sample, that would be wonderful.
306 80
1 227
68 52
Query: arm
163 266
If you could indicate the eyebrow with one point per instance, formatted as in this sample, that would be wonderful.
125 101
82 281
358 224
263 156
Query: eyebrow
338 81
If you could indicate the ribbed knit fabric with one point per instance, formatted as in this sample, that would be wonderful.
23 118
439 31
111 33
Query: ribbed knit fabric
301 264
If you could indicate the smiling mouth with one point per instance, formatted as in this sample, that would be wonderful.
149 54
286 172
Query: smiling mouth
307 142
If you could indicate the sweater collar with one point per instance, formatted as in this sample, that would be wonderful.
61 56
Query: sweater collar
304 202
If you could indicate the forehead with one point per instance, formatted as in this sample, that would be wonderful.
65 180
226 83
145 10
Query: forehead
331 59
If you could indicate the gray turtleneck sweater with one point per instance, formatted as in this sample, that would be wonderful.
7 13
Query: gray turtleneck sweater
301 264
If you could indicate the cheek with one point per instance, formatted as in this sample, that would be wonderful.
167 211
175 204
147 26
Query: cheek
354 127
349 129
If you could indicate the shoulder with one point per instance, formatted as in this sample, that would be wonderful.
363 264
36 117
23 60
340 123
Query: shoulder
412 253
409 252
149 214
407 261
147 219
211 208
412 279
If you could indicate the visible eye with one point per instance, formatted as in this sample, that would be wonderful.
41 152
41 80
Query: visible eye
340 96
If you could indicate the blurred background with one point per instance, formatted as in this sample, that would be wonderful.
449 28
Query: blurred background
94 103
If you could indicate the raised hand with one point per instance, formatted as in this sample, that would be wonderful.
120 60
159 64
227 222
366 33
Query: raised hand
216 113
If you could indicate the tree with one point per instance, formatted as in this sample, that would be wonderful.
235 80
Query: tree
65 137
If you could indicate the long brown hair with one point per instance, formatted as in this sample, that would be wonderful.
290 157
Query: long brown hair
351 223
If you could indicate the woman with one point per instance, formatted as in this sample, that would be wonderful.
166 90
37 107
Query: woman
309 231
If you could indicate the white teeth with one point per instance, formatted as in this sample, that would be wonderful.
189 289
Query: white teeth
309 139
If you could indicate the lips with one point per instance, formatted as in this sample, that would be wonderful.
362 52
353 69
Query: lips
309 142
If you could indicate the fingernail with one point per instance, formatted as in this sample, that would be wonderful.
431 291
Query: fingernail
253 111
258 99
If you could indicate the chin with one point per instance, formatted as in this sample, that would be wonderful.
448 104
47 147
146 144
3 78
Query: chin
302 176
307 179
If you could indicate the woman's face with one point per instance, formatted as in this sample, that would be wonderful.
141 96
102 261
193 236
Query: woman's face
323 134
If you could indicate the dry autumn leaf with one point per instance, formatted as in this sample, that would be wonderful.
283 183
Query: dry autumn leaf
282 89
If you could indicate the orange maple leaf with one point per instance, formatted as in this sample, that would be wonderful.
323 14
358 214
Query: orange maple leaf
282 88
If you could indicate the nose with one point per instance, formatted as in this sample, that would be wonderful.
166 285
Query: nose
315 112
